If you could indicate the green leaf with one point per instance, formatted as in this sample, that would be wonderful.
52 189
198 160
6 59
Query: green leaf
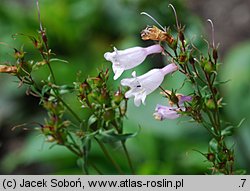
222 82
111 136
228 131
58 60
240 172
86 142
92 120
45 89
241 122
35 90
64 89
213 145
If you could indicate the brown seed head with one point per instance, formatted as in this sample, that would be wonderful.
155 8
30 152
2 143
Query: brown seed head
8 69
153 33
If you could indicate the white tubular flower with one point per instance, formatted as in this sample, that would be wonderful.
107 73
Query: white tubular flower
145 84
129 58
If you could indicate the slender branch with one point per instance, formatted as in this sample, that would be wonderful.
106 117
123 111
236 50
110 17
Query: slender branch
102 146
96 169
51 72
70 110
128 157
73 150
125 150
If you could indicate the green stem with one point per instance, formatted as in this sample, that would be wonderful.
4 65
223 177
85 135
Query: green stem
213 122
47 58
74 144
70 110
96 169
128 157
102 146
216 114
51 72
85 168
125 149
73 150
63 102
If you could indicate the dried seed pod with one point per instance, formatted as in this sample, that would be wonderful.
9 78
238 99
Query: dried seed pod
8 69
154 33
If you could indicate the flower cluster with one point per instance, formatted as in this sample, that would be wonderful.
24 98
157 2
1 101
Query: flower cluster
141 86
200 70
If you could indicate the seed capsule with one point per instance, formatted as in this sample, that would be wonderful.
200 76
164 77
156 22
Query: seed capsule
8 69
154 33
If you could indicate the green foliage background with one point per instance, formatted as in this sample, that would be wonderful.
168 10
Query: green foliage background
81 31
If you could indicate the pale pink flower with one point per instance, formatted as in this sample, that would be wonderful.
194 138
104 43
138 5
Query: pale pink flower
171 112
166 112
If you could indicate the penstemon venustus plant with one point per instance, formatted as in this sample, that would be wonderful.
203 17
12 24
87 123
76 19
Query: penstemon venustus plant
107 108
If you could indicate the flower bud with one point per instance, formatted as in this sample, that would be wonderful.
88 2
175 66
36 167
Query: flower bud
183 58
19 54
84 87
92 96
53 107
208 67
47 129
215 54
80 133
98 82
41 63
82 91
38 44
104 98
44 36
222 156
104 75
231 158
172 43
181 35
118 97
109 115
210 157
210 104
50 138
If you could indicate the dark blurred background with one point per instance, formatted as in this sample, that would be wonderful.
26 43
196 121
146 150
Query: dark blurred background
81 31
